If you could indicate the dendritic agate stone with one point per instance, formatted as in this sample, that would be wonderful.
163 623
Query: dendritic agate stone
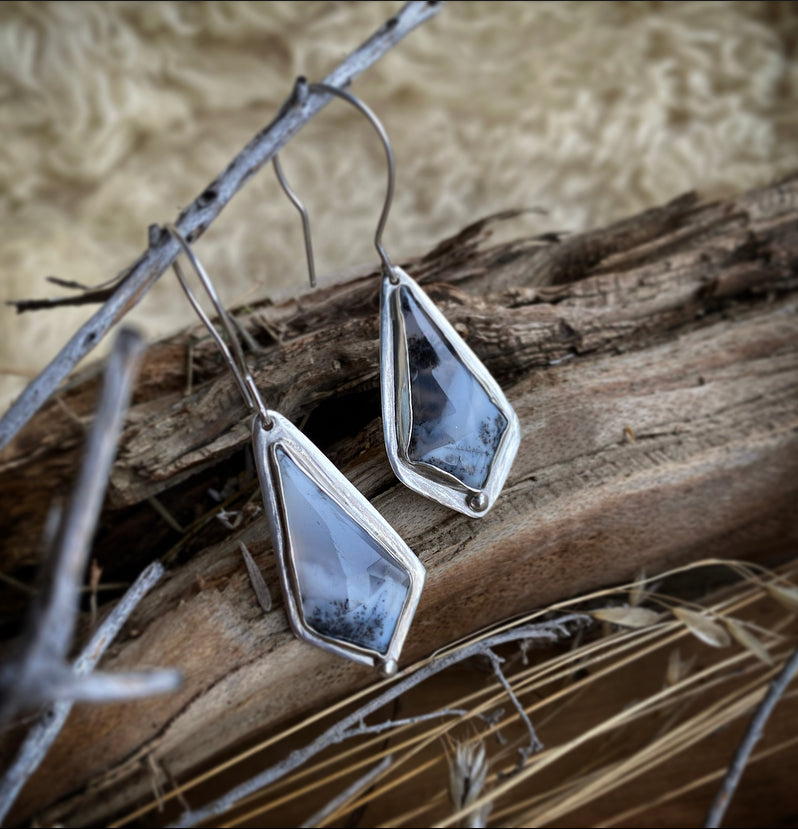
455 426
349 587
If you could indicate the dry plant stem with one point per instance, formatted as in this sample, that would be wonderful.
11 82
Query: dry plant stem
689 334
628 635
197 217
348 793
468 770
665 747
43 733
697 783
752 736
349 726
314 771
39 674
707 720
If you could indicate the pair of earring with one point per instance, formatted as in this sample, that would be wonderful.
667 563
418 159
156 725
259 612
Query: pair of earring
351 584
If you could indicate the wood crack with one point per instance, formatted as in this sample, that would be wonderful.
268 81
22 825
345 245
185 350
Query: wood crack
653 368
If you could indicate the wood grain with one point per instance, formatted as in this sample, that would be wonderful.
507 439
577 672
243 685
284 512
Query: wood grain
653 366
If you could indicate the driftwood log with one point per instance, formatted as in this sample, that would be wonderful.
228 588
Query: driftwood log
653 365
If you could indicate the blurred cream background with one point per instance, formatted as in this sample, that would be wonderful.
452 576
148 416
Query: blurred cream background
117 114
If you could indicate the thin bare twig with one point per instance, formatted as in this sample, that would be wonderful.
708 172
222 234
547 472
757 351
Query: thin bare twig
165 514
157 789
89 296
17 584
118 686
38 671
379 727
752 735
348 793
198 216
74 285
43 733
550 631
534 742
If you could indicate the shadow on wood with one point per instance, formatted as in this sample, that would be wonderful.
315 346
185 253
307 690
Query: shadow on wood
653 366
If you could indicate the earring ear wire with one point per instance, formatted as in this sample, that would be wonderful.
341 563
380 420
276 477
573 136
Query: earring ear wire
235 360
386 207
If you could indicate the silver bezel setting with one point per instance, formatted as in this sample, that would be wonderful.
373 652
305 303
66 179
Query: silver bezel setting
421 477
320 470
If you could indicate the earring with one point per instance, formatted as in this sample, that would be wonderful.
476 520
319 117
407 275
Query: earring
351 584
450 433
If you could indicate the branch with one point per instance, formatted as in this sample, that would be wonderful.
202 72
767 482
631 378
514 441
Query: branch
752 736
199 215
534 743
43 734
379 727
87 296
38 673
347 794
118 686
549 631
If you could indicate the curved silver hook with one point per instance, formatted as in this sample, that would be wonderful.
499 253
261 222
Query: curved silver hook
386 143
235 359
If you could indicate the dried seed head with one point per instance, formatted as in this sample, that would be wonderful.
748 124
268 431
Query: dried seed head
468 770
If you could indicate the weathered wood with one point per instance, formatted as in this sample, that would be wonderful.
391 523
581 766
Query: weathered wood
653 366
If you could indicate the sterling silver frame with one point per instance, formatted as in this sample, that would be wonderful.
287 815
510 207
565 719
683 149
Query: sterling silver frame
333 483
424 478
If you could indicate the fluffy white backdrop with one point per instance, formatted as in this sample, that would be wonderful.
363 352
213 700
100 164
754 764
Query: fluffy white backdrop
116 114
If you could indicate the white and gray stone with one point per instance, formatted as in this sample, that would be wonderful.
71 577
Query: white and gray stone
350 588
456 427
